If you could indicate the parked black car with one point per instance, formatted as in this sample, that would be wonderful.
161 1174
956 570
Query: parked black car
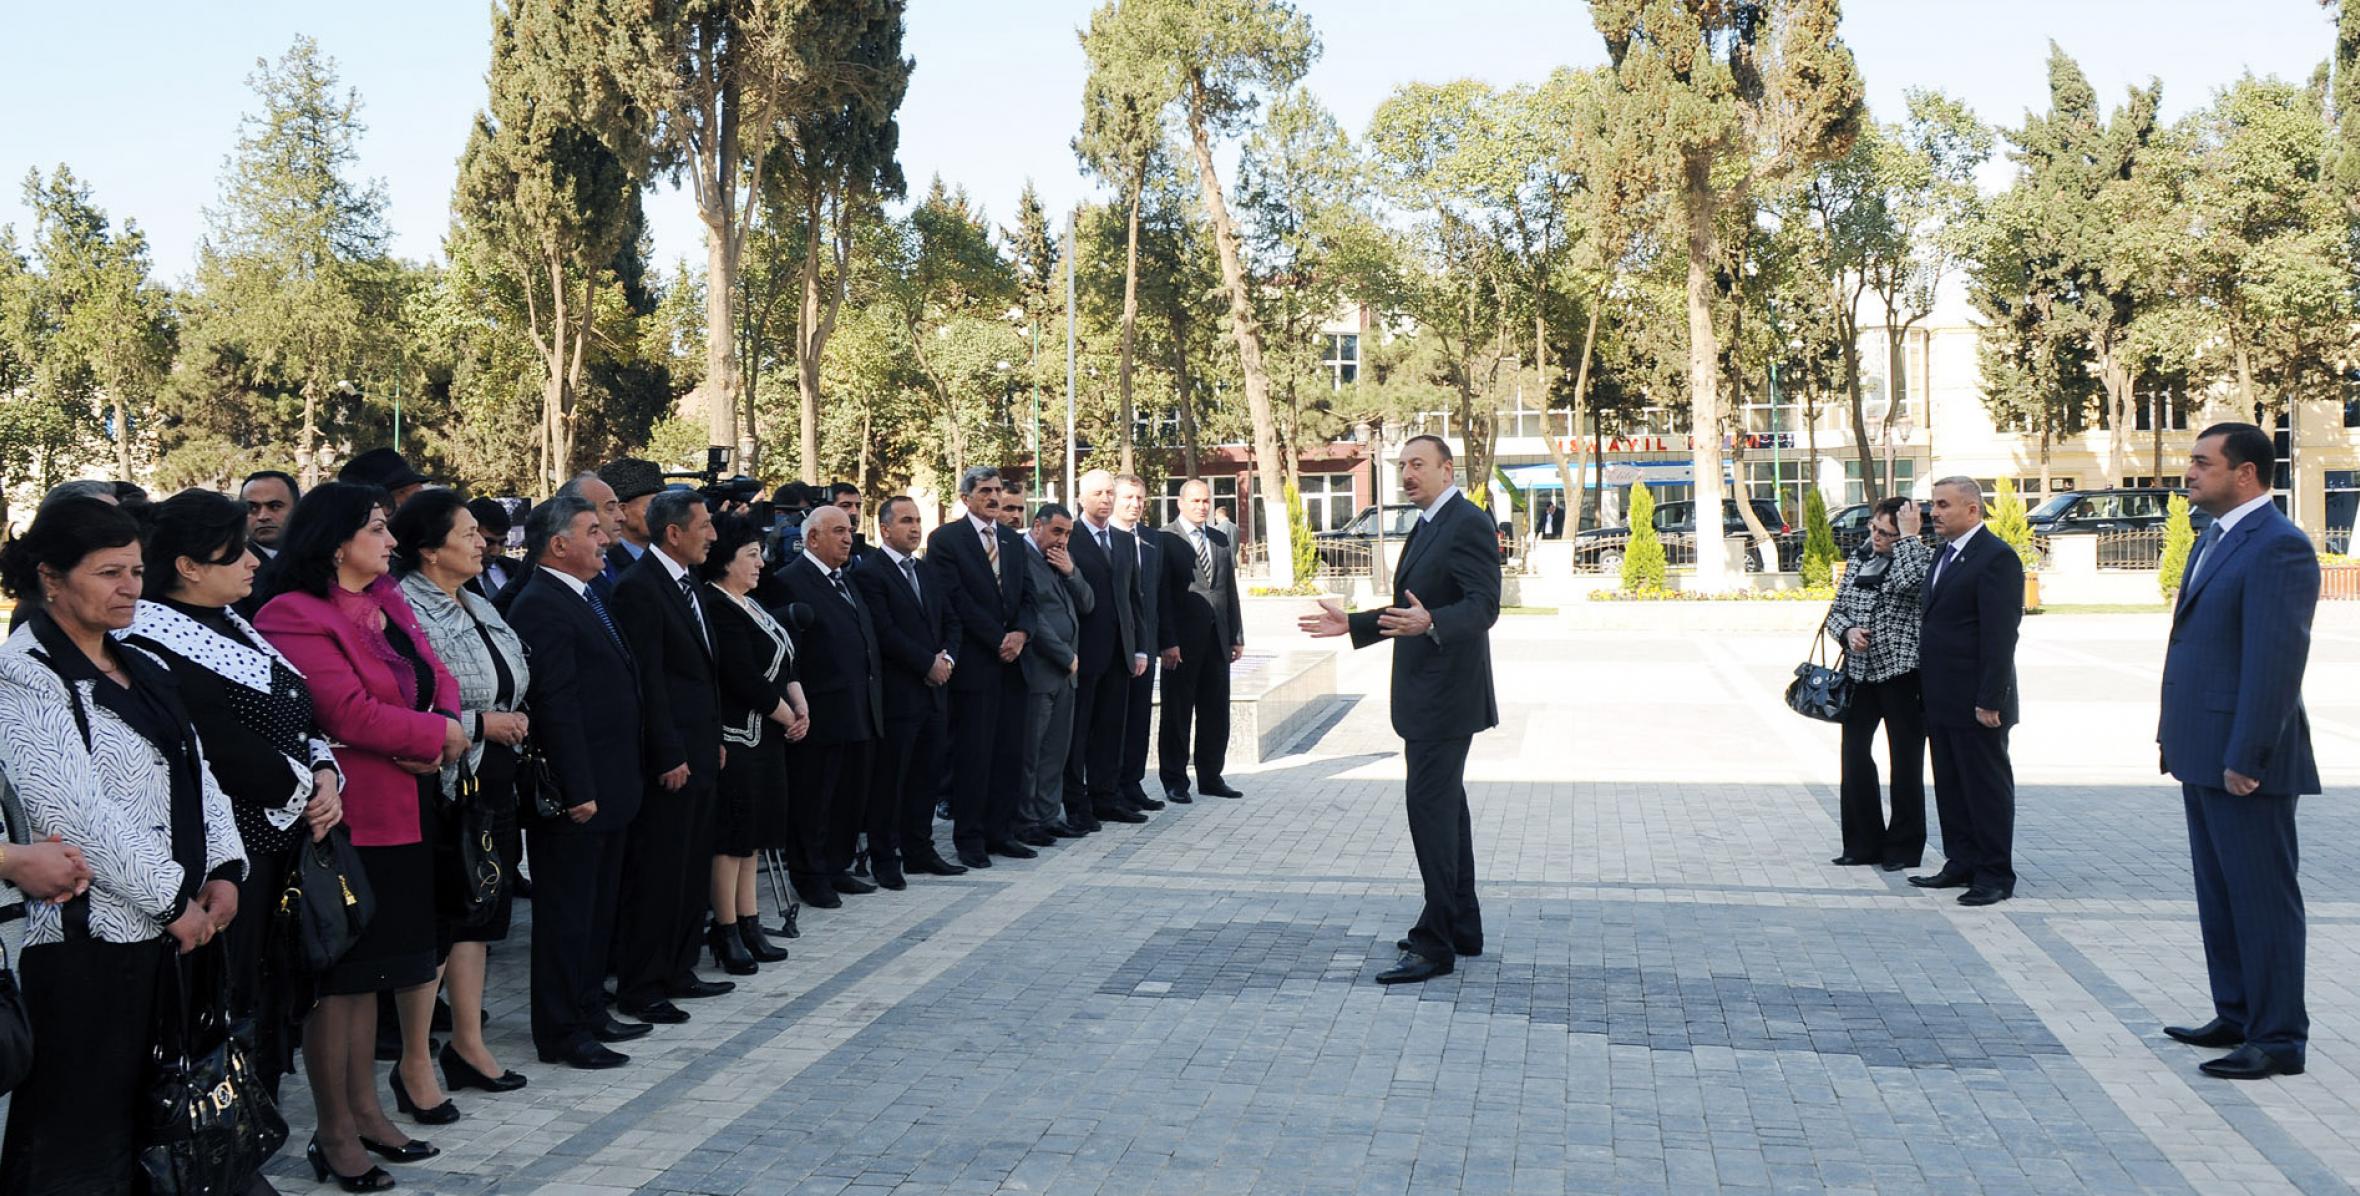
1850 525
1601 549
2088 512
1347 548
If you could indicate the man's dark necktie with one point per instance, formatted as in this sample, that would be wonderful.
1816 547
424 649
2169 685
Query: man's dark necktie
909 569
598 607
836 579
2196 559
1949 553
1204 558
696 613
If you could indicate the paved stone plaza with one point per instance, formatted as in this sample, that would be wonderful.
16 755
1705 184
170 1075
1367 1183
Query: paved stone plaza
1679 994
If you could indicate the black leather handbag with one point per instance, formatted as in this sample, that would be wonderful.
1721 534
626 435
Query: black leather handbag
209 1122
478 874
1819 690
537 795
327 903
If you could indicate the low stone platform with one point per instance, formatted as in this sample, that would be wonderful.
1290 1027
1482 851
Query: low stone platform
1274 698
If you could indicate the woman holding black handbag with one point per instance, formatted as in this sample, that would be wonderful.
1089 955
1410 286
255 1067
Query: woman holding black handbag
253 712
437 550
1876 617
101 751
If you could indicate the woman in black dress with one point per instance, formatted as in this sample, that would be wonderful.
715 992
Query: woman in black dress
253 712
761 709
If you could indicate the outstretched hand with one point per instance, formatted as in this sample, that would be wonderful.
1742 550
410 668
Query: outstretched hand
1399 621
1327 622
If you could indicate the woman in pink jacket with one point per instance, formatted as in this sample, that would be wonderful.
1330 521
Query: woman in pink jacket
392 711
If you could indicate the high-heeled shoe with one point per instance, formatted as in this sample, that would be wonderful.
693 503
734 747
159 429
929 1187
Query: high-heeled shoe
758 944
459 1074
442 1114
416 1150
729 950
375 1179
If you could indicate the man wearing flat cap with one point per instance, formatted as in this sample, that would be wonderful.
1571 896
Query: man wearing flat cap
387 470
634 481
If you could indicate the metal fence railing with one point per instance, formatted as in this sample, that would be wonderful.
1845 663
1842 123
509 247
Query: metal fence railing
1346 558
2131 548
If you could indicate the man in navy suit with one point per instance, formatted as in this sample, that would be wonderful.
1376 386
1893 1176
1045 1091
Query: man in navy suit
1974 604
982 565
2235 736
843 678
1157 635
586 686
1446 600
1111 653
918 635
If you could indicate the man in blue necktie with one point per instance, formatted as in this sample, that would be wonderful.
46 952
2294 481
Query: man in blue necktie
1974 602
2235 735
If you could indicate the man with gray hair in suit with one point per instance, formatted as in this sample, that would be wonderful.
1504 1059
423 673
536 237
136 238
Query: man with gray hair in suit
1052 657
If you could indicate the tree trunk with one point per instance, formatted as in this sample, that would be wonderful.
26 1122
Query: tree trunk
311 437
1277 536
1183 388
807 319
720 288
1130 319
1704 370
1848 334
1540 356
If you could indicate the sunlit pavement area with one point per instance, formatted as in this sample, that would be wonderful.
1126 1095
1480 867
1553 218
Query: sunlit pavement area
1679 993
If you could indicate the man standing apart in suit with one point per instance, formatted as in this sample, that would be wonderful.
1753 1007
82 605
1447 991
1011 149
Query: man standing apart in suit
1974 602
982 565
1208 635
1051 659
1440 622
668 877
586 690
1155 637
2236 737
1112 653
918 636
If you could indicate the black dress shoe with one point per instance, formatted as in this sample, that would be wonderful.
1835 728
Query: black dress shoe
759 945
1179 797
588 1056
1037 838
661 1013
1117 814
1412 969
974 858
1218 789
850 885
442 1114
1145 802
1061 829
1474 952
933 864
1984 895
1850 861
614 1031
1896 865
2215 1033
416 1150
697 989
1086 825
375 1179
887 874
1945 879
1013 850
460 1074
2250 1062
817 893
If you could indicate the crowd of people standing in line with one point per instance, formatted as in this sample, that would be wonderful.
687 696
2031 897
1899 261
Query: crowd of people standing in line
658 693
1929 647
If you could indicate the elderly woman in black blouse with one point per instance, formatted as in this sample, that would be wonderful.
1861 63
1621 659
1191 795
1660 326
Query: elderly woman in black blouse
253 712
437 550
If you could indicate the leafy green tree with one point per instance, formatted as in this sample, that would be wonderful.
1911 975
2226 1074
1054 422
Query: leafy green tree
1642 564
294 289
1121 141
1713 100
112 324
46 424
1305 547
948 286
2008 522
2179 537
1819 540
550 184
1219 59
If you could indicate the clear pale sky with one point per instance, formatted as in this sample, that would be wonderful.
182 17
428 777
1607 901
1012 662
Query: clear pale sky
147 112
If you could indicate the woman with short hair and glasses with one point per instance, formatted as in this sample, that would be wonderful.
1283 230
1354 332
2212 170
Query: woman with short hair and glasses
1876 618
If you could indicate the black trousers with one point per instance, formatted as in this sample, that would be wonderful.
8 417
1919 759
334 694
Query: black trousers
256 988
815 783
2249 906
987 757
667 887
1138 711
1195 694
577 884
851 813
1094 756
75 1122
1443 836
1899 705
1975 797
901 785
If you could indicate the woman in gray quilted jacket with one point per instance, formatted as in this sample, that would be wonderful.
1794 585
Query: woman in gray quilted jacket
1876 618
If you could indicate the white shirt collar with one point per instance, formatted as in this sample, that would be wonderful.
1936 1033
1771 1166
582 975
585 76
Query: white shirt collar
673 567
818 564
2244 509
1096 528
576 584
1427 515
1960 545
983 526
896 557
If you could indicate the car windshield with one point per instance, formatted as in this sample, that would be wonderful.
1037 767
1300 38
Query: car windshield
2054 507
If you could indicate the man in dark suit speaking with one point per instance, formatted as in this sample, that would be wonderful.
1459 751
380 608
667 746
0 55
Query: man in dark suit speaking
1974 603
1447 597
2234 734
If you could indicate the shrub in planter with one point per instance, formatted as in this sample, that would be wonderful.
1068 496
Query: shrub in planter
2178 539
1820 553
1642 567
